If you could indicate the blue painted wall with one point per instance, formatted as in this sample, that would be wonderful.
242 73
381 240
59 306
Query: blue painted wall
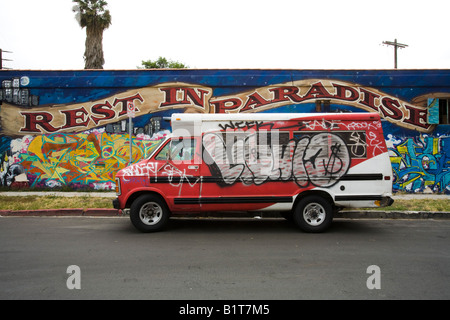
70 128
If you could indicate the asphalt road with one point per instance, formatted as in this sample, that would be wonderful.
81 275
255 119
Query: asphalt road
203 259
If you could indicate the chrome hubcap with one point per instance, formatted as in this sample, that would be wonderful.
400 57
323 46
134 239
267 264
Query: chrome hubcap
150 213
314 214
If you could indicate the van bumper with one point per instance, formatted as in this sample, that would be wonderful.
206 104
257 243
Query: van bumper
360 201
116 203
386 201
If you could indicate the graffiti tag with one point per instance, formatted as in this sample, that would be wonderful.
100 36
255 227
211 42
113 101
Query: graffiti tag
419 164
319 159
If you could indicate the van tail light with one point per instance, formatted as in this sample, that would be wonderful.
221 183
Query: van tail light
387 178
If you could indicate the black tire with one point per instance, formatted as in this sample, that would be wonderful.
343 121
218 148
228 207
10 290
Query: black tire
313 214
288 215
149 213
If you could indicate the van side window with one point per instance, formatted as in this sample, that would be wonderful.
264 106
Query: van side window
180 149
355 141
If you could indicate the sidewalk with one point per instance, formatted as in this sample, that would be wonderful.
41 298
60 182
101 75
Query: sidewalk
58 194
93 212
113 194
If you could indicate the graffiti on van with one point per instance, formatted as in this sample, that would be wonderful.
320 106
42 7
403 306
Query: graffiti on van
257 152
320 159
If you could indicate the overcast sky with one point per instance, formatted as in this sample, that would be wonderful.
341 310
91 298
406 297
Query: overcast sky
257 34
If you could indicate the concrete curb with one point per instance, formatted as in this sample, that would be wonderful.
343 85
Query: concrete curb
392 215
105 212
98 212
76 212
101 212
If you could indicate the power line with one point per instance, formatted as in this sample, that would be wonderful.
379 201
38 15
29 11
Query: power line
396 45
1 58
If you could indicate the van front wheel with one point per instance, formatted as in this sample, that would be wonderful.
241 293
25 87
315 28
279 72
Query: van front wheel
149 213
313 214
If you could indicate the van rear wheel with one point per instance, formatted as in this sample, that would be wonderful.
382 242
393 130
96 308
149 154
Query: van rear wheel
313 214
148 213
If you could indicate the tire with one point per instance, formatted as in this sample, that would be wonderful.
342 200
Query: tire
313 214
148 213
287 215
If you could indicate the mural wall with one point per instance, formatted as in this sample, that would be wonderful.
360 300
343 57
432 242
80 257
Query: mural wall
70 129
421 164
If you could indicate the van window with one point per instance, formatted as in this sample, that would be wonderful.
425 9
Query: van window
244 144
182 149
355 141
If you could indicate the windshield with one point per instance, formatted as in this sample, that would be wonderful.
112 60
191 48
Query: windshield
156 146
177 149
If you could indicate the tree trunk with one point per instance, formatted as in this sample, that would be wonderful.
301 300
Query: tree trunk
93 55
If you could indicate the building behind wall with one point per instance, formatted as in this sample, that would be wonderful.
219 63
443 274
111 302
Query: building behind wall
70 128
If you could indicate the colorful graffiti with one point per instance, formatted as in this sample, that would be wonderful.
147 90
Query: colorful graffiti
79 116
83 160
69 128
420 164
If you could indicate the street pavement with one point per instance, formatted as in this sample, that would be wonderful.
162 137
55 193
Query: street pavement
44 258
353 214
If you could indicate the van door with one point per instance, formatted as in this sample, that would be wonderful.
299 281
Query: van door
178 173
239 172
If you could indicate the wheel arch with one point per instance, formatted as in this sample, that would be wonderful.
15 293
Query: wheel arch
139 193
314 192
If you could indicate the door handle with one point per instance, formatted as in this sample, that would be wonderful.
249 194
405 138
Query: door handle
193 167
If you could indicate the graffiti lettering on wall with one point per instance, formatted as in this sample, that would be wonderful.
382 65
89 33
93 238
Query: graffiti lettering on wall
50 138
421 164
82 116
76 160
303 91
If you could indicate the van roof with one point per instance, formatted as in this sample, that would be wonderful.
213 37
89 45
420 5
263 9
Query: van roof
193 124
257 116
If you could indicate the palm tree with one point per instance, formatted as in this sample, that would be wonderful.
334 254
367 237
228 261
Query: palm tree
93 15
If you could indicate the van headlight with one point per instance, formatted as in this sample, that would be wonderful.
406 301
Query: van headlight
118 191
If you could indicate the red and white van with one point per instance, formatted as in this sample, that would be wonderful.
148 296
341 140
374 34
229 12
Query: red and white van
306 166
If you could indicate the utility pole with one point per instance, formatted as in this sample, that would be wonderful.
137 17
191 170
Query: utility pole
396 45
1 58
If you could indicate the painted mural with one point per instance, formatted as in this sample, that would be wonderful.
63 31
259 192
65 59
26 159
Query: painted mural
71 128
421 164
76 160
